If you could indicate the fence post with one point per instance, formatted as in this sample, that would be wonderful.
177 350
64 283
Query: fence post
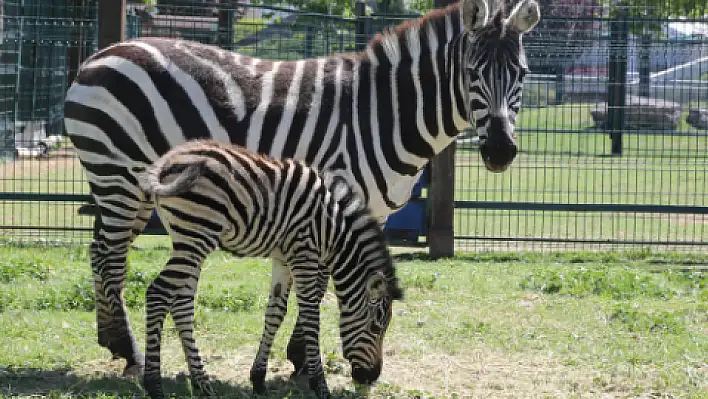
644 65
77 52
560 84
441 237
226 25
309 37
111 22
617 78
360 31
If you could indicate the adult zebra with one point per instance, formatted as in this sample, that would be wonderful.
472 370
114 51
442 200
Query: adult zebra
211 194
374 118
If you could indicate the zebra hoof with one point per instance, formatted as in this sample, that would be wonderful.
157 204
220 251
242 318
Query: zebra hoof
202 387
258 381
319 385
297 356
152 383
133 371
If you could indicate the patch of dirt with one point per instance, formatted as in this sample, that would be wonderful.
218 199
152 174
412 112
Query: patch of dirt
474 374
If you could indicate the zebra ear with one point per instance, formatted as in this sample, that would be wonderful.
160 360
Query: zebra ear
376 286
474 13
524 16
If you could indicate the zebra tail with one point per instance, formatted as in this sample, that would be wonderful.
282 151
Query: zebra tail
185 176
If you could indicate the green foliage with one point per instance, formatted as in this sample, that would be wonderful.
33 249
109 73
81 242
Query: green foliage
336 7
421 6
644 16
639 321
346 7
615 283
422 282
233 299
14 269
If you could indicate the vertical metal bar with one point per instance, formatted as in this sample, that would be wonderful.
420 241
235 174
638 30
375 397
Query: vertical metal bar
360 29
617 79
111 22
309 34
441 194
644 65
559 84
226 25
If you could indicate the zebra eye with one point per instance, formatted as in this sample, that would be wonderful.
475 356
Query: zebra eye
474 76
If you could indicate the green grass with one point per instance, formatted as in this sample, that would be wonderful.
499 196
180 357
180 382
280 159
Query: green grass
574 117
526 325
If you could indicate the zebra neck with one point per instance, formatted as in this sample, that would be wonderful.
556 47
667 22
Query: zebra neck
408 92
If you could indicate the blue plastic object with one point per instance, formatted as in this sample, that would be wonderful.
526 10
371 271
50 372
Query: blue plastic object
405 226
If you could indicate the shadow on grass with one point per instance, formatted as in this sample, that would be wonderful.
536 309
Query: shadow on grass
64 383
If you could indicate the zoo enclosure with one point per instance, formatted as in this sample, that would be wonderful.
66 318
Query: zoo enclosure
612 149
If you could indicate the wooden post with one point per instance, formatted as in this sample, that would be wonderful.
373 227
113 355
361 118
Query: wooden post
111 22
442 196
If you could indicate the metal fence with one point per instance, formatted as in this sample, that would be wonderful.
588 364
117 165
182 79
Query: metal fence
41 184
613 144
612 134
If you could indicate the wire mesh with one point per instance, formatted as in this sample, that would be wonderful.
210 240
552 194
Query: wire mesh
609 154
40 179
612 133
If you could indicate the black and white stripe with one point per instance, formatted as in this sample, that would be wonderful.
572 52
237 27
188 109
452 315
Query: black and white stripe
375 118
214 195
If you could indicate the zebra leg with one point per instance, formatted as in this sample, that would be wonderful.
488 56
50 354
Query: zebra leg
281 282
104 322
296 346
173 291
183 316
109 264
108 253
159 303
309 295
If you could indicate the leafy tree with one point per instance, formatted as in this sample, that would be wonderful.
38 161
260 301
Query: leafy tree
336 7
421 6
342 7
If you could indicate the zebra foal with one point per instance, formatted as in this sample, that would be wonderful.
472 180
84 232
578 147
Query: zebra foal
213 195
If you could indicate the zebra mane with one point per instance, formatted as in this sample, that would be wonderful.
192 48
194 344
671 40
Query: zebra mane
397 32
434 17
